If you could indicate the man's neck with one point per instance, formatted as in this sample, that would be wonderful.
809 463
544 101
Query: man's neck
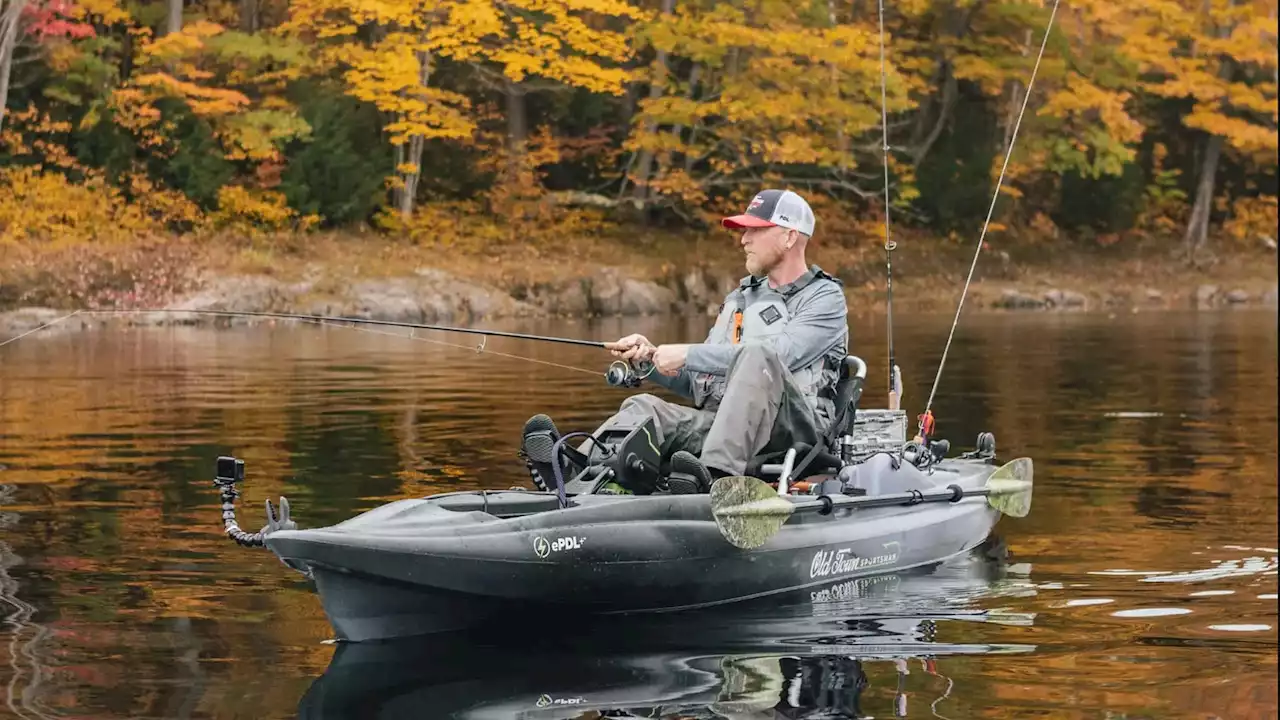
787 272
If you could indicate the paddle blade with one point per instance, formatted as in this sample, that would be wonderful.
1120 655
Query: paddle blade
1009 488
747 511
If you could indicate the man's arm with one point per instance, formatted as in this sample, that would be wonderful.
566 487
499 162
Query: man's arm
681 383
815 325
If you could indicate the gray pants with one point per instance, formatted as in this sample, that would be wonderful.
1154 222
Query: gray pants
763 410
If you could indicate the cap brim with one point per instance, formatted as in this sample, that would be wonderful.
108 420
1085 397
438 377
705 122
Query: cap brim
745 221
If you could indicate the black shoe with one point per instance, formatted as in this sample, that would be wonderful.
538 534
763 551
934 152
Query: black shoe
540 437
688 475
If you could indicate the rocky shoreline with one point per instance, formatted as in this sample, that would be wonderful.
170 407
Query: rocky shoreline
432 296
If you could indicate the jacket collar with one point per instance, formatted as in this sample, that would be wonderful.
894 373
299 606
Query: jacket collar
813 273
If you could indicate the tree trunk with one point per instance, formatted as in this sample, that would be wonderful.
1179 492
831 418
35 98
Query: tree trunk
644 162
248 16
412 153
9 21
174 23
1198 227
678 131
517 128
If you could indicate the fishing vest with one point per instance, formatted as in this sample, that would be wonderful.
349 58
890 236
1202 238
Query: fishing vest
754 311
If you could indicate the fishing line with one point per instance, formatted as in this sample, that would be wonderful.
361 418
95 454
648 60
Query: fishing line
1026 97
477 349
51 323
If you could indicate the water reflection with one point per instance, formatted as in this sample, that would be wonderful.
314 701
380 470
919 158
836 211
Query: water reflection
861 648
1153 437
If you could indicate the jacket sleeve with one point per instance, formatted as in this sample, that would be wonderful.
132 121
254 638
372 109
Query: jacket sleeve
814 328
681 384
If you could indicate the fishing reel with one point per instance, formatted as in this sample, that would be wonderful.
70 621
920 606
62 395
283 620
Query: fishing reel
629 375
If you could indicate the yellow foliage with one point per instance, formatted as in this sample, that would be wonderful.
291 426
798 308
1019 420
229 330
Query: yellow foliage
105 12
1086 102
202 100
43 207
1252 218
254 212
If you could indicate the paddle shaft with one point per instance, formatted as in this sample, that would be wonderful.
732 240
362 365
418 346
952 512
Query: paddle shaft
826 503
361 321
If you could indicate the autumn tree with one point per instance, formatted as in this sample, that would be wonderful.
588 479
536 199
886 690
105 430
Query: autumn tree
513 46
767 90
1221 56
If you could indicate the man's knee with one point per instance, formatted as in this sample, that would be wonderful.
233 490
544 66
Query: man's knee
644 403
755 359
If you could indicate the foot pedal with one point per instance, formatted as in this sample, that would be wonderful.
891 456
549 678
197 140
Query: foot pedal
688 469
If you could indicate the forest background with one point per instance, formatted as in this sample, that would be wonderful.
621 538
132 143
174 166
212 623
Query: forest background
147 146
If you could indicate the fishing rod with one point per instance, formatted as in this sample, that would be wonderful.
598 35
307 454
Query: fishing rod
926 418
620 373
895 392
362 321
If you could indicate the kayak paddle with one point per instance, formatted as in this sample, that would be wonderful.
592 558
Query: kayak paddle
748 511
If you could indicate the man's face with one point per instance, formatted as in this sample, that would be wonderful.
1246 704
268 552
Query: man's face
764 248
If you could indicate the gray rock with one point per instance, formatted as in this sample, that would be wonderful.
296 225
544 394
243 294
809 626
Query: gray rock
1065 299
240 293
604 294
1015 300
1154 296
645 298
1238 297
393 299
1206 296
695 288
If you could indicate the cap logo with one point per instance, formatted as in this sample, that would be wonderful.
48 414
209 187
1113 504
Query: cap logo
756 202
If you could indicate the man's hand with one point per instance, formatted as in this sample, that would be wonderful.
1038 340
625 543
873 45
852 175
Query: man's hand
668 359
632 347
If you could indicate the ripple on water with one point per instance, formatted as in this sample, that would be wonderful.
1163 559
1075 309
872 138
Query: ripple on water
1151 612
1087 602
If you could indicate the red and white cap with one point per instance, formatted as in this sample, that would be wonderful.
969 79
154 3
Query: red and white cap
770 208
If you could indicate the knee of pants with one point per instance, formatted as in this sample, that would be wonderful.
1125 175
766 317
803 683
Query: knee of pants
642 403
756 355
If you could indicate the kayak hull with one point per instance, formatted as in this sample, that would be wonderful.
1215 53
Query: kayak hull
447 562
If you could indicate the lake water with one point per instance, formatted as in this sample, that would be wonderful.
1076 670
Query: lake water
1142 585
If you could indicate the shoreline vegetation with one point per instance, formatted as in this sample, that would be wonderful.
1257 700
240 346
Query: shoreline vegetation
452 161
635 273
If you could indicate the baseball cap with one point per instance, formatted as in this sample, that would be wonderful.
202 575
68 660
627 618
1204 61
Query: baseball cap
775 207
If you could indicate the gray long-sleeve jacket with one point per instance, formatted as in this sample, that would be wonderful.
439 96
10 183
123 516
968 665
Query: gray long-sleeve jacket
805 321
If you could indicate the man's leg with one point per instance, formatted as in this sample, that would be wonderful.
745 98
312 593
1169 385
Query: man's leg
762 407
678 427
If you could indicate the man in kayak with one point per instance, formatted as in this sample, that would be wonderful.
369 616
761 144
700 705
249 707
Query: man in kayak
763 379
